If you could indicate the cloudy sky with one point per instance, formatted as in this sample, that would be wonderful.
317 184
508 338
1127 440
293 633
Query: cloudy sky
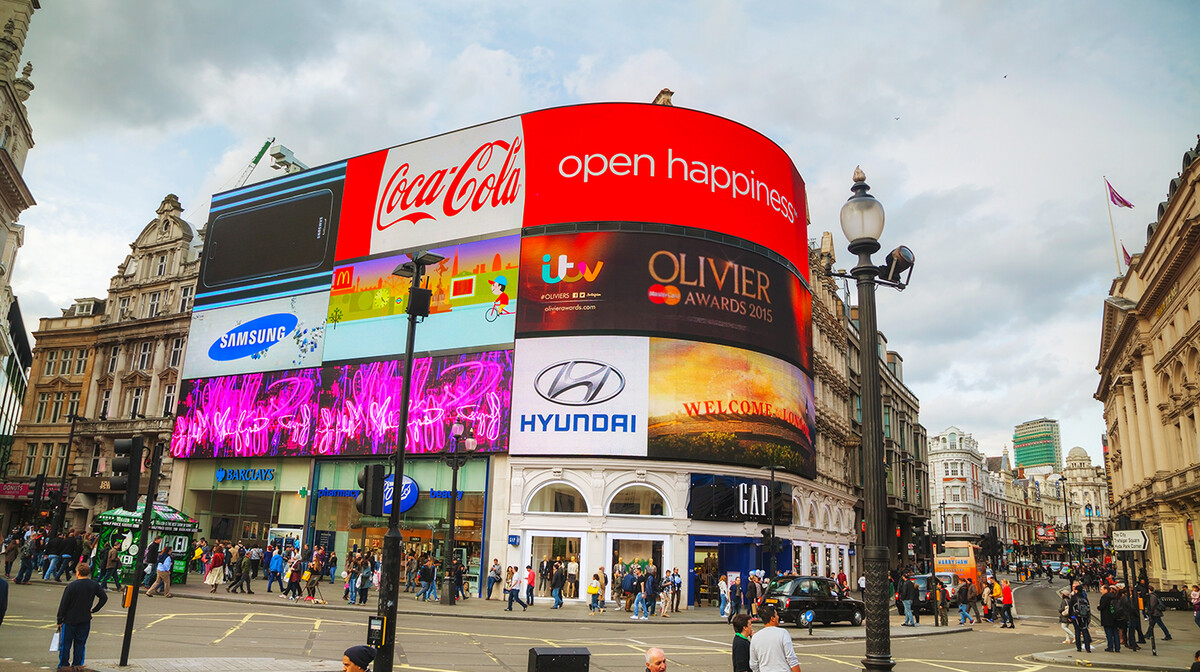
984 128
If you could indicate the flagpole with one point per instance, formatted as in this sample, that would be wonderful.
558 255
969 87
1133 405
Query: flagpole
1113 227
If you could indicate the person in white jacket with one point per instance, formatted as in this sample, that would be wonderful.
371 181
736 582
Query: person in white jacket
515 588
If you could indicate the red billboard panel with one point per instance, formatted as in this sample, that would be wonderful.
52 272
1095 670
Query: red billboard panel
652 163
605 162
618 282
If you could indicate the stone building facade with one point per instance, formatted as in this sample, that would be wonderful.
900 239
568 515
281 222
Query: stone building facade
115 363
957 485
1149 370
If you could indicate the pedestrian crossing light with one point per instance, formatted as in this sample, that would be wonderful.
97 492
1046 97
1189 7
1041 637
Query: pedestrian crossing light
127 470
369 502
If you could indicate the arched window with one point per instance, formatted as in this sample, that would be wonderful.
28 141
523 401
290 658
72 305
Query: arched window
638 500
557 498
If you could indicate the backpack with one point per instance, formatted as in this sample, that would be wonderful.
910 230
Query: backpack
1119 613
1081 610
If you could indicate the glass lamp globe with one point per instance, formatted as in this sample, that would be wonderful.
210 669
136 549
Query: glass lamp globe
862 215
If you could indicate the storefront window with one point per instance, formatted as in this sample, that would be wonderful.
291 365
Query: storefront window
638 500
557 498
335 522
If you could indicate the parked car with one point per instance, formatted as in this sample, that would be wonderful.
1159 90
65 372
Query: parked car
793 595
924 601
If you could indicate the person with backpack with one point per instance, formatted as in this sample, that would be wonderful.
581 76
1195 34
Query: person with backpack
1154 612
1125 615
1081 618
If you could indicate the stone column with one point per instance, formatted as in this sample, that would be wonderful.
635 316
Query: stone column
1132 457
114 404
1158 435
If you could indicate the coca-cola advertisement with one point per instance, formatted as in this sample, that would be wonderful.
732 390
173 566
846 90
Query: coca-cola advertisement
619 282
465 184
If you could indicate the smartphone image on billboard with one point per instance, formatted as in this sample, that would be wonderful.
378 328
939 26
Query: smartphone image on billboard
269 240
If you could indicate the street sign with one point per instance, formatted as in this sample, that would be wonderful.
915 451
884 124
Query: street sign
1130 540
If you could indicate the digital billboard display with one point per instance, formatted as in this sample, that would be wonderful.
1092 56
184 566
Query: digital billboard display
272 239
351 409
270 335
474 300
667 285
714 403
632 396
580 395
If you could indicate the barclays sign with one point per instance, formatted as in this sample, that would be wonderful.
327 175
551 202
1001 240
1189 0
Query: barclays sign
224 475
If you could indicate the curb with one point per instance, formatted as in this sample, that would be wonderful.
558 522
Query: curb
1057 658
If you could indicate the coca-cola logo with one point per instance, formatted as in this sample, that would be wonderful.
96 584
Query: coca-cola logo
491 175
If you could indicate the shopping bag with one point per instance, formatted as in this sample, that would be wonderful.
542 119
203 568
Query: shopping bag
54 640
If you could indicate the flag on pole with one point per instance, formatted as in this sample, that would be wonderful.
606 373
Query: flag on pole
1126 253
1116 198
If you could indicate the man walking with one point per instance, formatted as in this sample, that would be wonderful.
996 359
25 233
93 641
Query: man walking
75 615
112 564
771 648
908 593
163 579
557 581
742 631
1154 611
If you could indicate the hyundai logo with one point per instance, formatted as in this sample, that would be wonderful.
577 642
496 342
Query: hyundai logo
579 382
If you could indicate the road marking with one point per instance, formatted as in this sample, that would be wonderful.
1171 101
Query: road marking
944 667
312 637
829 658
709 641
156 621
233 629
639 643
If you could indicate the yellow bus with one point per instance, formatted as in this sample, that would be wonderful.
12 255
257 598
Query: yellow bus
960 558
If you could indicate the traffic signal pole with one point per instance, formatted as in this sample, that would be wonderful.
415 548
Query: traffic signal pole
139 563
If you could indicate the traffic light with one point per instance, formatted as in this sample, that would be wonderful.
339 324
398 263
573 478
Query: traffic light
941 543
127 470
369 501
39 491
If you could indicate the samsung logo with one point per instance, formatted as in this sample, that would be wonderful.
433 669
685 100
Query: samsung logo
252 337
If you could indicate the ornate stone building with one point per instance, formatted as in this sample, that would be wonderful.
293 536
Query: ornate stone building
957 485
904 438
16 139
828 521
115 362
1150 384
1087 496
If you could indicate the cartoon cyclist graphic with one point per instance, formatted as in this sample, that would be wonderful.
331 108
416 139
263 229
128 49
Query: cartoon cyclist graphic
500 306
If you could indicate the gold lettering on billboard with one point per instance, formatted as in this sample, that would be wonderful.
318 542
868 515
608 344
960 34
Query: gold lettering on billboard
669 267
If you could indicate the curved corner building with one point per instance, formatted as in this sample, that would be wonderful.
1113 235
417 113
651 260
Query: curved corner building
622 318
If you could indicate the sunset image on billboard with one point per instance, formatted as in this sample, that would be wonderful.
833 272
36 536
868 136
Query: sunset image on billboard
716 403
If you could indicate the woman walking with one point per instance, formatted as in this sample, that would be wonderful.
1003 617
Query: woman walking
215 569
593 590
1064 616
723 591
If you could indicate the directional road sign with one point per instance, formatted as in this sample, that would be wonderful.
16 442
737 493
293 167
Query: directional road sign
1130 540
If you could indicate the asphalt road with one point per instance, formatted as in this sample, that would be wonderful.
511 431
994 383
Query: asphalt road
192 630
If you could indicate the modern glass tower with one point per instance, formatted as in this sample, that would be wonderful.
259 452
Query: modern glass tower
1037 443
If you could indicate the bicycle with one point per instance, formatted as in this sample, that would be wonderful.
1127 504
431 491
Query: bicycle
496 311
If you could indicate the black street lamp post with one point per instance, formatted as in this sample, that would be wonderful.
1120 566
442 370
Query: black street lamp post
455 460
862 222
389 580
60 515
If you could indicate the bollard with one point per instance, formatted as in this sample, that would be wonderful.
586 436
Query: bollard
551 659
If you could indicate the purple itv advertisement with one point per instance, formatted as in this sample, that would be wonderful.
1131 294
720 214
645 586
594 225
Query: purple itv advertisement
352 409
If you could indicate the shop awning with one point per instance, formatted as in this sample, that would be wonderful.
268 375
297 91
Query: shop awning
162 519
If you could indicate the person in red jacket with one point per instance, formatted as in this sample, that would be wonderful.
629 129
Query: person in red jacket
1006 599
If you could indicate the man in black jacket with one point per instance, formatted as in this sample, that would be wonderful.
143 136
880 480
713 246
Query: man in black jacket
741 642
75 615
557 581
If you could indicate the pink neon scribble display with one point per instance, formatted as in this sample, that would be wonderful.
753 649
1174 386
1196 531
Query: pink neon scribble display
249 415
350 409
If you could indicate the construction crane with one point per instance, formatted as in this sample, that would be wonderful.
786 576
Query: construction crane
241 180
